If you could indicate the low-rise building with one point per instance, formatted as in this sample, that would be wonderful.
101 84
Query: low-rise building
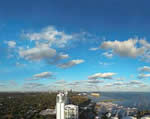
71 111
146 117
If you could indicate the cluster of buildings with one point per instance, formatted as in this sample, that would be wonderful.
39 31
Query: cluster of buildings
114 111
64 110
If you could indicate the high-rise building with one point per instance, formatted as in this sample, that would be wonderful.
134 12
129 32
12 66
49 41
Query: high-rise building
64 111
60 104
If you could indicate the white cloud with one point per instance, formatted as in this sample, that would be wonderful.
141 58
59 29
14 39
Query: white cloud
71 63
108 85
47 41
143 76
114 84
108 55
105 63
102 75
43 75
144 69
57 58
42 51
132 47
52 35
63 56
75 83
124 48
119 83
146 46
144 43
125 84
11 44
93 49
135 82
38 53
146 56
95 81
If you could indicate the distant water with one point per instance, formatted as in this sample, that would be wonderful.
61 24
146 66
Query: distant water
138 100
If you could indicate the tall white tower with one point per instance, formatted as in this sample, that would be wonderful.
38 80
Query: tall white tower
60 105
64 111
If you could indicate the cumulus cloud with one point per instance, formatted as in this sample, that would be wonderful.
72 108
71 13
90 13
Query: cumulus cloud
146 56
42 51
58 58
143 76
108 85
57 38
133 47
146 46
75 83
95 81
11 44
108 54
44 75
135 82
119 83
114 84
144 69
105 63
37 53
125 84
63 56
102 75
93 49
71 63
144 43
124 48
52 35
47 41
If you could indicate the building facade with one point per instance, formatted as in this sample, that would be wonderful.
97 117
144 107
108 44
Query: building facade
63 109
71 112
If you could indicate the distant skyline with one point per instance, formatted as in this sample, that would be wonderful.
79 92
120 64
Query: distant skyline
97 45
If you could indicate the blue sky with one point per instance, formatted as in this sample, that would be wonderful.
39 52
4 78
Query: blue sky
81 45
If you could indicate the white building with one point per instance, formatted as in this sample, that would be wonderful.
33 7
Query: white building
64 111
60 104
115 117
146 117
71 112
